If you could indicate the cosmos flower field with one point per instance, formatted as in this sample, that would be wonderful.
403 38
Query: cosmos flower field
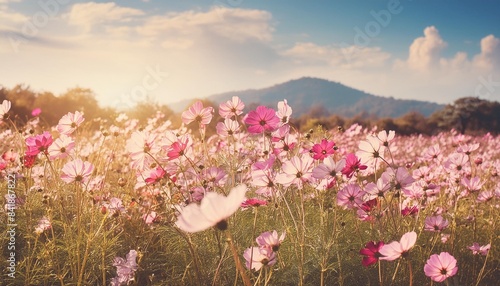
255 203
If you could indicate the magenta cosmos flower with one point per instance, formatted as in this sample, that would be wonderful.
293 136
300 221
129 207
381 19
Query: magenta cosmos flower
37 111
396 249
262 119
198 113
69 122
352 165
213 210
323 150
440 267
77 171
38 143
371 253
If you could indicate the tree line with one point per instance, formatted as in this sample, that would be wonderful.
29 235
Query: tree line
468 115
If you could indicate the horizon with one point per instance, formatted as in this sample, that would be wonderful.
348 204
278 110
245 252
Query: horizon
173 51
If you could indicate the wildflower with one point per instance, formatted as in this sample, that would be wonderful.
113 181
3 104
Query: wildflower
351 196
440 267
262 119
323 150
115 206
257 257
43 225
227 128
38 143
70 122
197 113
77 171
377 190
213 210
435 223
296 171
473 185
485 196
230 108
264 179
371 253
155 175
385 138
125 269
4 108
396 249
150 218
328 169
180 148
284 112
369 150
253 202
61 147
352 164
270 240
37 111
140 144
478 249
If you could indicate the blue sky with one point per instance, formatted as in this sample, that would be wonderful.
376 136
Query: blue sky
170 50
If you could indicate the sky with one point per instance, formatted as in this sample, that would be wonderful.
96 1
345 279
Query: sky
132 50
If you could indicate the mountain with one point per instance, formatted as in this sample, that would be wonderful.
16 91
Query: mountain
304 93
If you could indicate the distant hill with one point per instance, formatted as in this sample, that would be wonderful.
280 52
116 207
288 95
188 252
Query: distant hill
307 92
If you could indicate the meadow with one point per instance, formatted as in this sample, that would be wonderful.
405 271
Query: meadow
256 203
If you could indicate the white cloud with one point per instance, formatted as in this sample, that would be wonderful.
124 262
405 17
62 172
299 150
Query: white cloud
425 51
89 14
357 57
489 58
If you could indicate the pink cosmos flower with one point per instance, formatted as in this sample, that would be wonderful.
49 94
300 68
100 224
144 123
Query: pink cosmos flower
230 108
125 269
180 148
328 169
114 206
296 171
264 179
36 112
4 108
150 218
352 165
197 113
371 253
43 225
140 144
70 122
155 176
61 147
77 171
377 190
478 249
323 150
350 197
227 128
396 249
435 223
38 143
213 210
257 257
262 119
473 185
485 196
284 112
270 240
440 267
